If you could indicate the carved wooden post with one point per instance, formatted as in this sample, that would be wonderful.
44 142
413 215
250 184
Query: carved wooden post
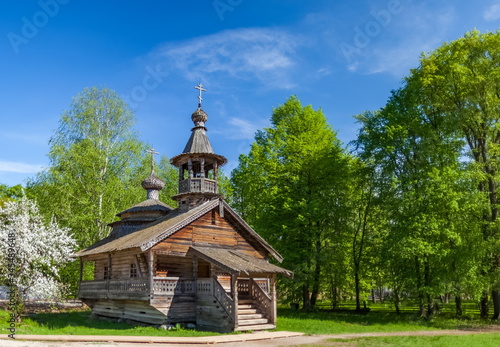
274 314
234 293
109 272
195 274
190 168
151 272
81 269
216 173
202 167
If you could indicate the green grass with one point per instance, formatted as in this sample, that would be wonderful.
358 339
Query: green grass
321 323
325 322
483 340
80 323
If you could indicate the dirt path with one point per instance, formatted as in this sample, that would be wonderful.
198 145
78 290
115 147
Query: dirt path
311 340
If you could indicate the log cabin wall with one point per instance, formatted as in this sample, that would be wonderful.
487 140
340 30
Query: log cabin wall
120 264
173 266
209 230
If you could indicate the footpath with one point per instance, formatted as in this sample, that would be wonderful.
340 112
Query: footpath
260 339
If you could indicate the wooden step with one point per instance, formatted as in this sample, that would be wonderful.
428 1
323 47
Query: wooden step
249 316
255 327
245 301
253 321
243 306
247 311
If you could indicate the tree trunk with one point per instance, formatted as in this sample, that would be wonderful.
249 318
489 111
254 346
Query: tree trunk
421 307
458 306
484 305
317 276
495 295
397 301
357 290
306 303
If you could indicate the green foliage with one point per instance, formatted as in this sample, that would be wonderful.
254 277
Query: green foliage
97 165
8 194
291 188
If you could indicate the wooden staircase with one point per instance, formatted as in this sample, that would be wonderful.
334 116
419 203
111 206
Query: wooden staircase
250 317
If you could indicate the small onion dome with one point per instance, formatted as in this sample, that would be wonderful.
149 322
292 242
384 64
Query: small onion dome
153 182
199 117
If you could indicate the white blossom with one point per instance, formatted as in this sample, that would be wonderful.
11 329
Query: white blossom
40 248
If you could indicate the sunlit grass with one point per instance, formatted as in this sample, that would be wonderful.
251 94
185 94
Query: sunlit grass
81 323
331 322
483 340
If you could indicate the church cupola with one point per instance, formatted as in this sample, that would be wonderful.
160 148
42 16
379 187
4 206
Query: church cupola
198 164
153 184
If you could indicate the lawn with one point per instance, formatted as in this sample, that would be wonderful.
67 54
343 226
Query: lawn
79 322
327 322
483 340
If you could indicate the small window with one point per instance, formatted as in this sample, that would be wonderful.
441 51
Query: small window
133 271
213 217
107 274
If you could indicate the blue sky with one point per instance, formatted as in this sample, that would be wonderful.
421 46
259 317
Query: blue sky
341 56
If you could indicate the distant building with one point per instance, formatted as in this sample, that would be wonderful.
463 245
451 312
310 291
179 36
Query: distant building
198 263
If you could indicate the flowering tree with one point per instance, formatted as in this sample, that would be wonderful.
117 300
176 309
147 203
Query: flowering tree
31 252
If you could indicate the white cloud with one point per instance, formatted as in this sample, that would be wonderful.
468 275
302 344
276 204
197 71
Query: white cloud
418 28
16 167
243 129
264 54
492 13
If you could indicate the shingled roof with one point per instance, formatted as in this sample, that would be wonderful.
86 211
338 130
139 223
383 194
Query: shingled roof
175 220
236 262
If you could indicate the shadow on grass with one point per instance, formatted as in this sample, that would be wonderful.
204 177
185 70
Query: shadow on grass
60 320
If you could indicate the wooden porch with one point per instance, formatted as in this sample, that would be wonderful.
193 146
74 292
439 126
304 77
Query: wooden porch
248 304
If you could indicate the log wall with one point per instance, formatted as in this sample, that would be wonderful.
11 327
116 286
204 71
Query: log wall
209 230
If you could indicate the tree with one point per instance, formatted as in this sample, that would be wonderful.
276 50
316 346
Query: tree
458 87
10 193
291 188
32 251
425 189
94 157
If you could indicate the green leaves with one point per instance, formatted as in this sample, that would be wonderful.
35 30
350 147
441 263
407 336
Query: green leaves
290 188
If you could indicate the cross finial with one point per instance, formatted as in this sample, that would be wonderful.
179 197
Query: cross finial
201 89
152 151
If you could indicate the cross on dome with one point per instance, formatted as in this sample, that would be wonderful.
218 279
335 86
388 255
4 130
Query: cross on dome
201 89
153 152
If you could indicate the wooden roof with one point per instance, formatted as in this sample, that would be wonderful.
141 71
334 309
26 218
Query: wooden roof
175 220
236 262
147 205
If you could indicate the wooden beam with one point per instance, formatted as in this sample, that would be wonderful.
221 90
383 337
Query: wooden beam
234 293
274 313
151 271
81 269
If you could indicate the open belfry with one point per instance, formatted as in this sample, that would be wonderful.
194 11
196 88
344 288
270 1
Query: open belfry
199 263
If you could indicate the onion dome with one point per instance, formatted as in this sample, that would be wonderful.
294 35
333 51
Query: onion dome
153 184
199 117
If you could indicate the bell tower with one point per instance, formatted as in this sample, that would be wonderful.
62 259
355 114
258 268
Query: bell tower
198 164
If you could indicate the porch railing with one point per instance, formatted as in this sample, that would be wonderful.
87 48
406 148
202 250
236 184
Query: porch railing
134 287
244 285
211 287
198 185
262 299
171 286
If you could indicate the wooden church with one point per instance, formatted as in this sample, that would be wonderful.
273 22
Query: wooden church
198 263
